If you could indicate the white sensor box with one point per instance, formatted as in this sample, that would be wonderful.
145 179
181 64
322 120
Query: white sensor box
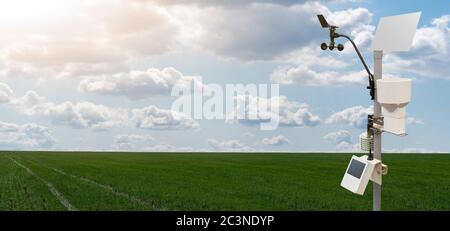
394 94
358 173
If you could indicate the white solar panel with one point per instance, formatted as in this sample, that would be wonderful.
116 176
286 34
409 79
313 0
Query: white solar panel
396 33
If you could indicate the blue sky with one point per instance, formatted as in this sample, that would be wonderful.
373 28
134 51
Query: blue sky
96 75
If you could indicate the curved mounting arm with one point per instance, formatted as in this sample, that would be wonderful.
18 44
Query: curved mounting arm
371 80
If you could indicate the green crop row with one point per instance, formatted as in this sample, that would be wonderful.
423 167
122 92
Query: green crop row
213 181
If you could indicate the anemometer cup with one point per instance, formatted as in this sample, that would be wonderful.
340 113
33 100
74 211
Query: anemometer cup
325 46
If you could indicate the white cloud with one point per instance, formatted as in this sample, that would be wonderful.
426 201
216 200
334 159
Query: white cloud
78 38
155 118
353 116
6 93
85 115
75 114
138 84
60 59
346 146
29 100
339 136
228 145
99 117
167 148
105 36
266 31
258 110
132 141
342 139
307 76
276 141
144 143
413 120
26 136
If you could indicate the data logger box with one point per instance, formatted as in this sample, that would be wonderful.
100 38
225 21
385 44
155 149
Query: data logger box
358 173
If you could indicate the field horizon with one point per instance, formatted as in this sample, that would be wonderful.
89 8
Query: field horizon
85 181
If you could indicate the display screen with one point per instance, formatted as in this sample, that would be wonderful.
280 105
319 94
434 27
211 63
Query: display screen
356 168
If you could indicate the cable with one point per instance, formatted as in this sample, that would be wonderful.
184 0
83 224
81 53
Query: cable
371 78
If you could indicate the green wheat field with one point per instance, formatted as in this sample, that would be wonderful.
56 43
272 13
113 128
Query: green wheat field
213 181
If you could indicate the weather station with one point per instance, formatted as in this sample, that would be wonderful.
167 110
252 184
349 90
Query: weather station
390 97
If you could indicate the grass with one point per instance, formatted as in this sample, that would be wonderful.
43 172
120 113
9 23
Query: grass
213 181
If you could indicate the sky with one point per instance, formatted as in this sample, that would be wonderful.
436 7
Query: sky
98 74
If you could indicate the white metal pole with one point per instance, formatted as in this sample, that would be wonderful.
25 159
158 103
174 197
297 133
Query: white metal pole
378 58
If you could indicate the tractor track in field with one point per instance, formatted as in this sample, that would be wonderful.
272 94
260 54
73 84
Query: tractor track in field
49 185
108 188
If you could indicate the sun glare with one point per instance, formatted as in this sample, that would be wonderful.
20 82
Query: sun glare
14 11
